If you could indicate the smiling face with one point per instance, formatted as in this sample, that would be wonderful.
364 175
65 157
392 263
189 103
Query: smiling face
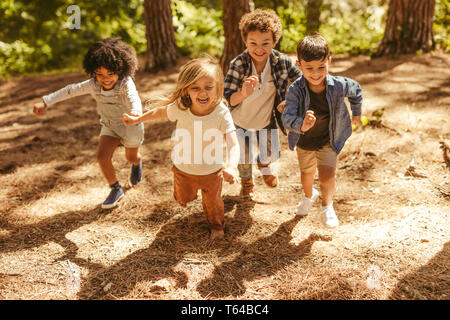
106 78
259 45
203 94
315 72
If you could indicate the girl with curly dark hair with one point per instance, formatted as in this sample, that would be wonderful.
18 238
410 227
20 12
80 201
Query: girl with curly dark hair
111 63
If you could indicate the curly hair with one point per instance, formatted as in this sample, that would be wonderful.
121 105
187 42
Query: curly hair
262 20
114 55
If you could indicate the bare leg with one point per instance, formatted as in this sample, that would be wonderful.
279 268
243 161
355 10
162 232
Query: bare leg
307 179
133 156
327 183
106 147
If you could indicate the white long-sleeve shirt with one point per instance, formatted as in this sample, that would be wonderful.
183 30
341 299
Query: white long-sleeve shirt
110 103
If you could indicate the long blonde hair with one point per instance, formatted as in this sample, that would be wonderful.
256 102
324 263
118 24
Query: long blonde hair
191 72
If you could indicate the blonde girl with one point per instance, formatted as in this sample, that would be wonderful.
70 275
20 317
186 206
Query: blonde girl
203 121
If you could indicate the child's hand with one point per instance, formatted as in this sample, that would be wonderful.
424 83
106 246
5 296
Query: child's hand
249 86
230 175
280 107
310 120
129 119
356 120
39 108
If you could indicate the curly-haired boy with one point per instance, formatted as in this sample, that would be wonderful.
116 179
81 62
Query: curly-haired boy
255 84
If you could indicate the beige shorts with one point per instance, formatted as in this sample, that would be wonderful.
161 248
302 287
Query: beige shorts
130 137
309 160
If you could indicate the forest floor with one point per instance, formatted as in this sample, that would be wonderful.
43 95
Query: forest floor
392 199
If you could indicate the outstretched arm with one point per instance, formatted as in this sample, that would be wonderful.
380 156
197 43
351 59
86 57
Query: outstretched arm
69 91
157 113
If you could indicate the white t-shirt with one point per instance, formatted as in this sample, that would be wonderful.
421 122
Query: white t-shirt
256 110
200 142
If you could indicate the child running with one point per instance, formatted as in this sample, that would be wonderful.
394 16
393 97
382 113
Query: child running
111 63
255 84
319 122
202 121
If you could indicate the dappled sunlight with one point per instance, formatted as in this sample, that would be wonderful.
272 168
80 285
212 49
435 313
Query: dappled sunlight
74 198
35 273
57 243
108 243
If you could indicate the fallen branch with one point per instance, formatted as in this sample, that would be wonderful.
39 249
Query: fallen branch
411 171
379 124
442 190
445 149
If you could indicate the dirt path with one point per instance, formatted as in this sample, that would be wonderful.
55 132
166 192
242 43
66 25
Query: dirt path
392 200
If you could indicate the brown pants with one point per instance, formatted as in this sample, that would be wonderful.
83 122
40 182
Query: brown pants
186 186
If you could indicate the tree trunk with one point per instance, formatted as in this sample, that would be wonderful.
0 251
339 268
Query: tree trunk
162 51
232 11
276 4
313 8
409 27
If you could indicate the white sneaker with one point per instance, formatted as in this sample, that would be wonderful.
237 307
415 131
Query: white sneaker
305 205
329 217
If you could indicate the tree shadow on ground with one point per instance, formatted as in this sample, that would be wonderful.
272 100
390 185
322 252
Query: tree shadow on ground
361 67
175 239
68 149
31 87
430 282
261 258
53 229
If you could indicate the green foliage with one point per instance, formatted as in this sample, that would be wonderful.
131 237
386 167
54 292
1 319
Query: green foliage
350 26
293 19
34 36
441 26
15 57
197 29
210 4
354 27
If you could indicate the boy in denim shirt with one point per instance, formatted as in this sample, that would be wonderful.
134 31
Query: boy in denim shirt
256 83
318 122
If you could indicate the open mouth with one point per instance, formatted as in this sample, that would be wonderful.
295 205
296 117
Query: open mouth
203 101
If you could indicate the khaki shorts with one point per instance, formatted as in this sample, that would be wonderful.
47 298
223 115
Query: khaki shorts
309 160
130 137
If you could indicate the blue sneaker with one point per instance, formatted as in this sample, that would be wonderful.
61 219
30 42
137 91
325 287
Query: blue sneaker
136 174
114 196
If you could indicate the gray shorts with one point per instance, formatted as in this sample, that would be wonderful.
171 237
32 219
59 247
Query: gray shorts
130 137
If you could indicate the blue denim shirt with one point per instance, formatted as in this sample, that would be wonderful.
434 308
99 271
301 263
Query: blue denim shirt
337 88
